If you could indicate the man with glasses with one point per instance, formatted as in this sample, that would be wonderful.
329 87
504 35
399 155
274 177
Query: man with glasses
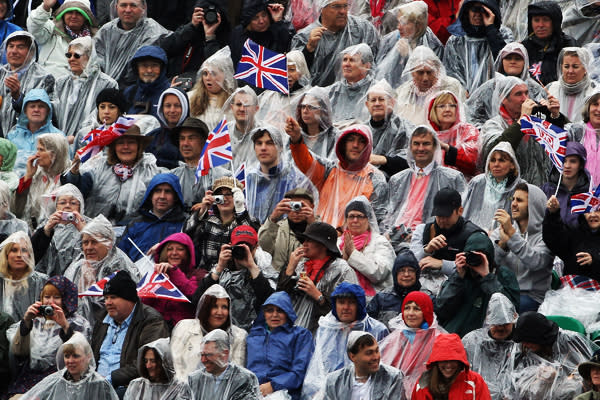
334 31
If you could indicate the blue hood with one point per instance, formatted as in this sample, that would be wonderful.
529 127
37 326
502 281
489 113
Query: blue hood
9 12
170 179
357 291
150 52
281 300
36 95
403 259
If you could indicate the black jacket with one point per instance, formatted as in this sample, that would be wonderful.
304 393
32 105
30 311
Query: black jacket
456 237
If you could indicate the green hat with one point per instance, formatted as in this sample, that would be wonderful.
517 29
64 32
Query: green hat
479 241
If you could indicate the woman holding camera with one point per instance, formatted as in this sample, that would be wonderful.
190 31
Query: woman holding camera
46 325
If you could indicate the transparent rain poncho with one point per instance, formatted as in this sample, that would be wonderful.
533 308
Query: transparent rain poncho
8 222
576 303
60 385
479 104
572 96
75 95
18 294
396 46
580 21
187 336
493 359
65 245
31 75
144 389
411 101
193 192
313 107
485 194
357 30
594 70
348 99
242 146
235 382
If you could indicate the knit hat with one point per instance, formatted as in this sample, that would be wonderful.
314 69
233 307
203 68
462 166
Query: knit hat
423 301
112 96
533 327
121 285
356 205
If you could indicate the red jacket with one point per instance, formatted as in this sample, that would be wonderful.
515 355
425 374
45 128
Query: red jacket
442 13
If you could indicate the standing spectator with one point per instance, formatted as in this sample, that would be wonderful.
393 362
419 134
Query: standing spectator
243 104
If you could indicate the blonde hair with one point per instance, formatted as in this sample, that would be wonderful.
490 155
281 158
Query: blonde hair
441 99
200 98
5 268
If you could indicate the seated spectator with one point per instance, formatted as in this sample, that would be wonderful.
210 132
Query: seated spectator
313 272
279 236
116 185
173 109
512 60
280 351
20 74
409 345
580 21
462 303
589 372
9 224
493 189
5 322
77 377
221 379
57 242
211 223
586 133
519 245
35 119
423 75
574 85
8 157
414 188
470 57
387 304
76 91
545 39
157 375
161 214
243 106
350 176
442 15
448 373
21 285
348 314
47 324
149 64
213 312
6 21
368 252
366 376
349 92
214 84
125 316
576 246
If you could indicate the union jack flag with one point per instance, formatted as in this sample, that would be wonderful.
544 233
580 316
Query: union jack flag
582 203
103 136
240 174
263 68
97 288
552 138
535 70
217 150
157 286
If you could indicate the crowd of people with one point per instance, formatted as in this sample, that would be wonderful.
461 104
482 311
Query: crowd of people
385 230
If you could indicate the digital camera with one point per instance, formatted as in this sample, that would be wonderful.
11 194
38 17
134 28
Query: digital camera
219 199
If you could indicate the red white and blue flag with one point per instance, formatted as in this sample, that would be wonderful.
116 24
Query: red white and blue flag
552 138
582 203
263 68
217 150
535 70
103 136
240 174
157 286
97 288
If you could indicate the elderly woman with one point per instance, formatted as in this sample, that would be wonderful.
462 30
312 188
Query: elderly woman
47 323
395 47
590 372
214 85
494 188
44 169
423 76
459 140
574 84
8 222
8 157
213 312
20 285
368 252
280 351
76 92
77 379
57 242
115 185
588 134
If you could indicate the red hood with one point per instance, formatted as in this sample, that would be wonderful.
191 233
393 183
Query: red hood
362 130
448 347
430 106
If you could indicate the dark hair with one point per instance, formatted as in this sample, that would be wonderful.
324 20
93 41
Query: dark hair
522 186
439 385
422 131
585 113
204 312
363 341
260 133
162 378
24 38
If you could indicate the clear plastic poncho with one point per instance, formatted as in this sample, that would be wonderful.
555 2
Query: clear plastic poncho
75 96
8 222
575 303
18 295
60 385
193 192
322 70
580 21
242 146
386 383
143 388
514 17
31 75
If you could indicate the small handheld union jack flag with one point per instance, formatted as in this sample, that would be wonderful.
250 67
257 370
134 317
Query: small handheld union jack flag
552 138
158 286
535 70
217 150
103 136
263 68
582 203
97 289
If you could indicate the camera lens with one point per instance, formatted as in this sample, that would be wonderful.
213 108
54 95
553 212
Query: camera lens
238 252
210 15
473 259
46 311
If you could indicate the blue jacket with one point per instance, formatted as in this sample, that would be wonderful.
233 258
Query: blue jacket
280 356
147 229
6 27
148 93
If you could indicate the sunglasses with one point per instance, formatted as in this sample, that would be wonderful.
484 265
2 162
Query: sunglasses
69 55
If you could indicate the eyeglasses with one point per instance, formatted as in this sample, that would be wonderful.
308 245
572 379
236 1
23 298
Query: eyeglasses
444 106
338 6
358 217
69 55
308 107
